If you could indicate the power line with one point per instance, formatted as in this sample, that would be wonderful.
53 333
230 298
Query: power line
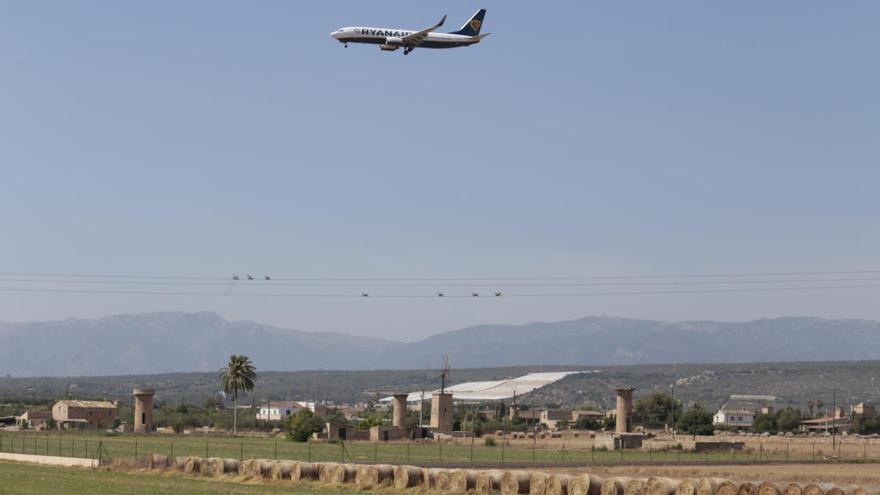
434 296
262 284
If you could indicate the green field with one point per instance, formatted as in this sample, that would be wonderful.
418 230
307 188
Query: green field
26 479
141 446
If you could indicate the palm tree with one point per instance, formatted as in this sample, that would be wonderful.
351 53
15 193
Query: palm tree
239 375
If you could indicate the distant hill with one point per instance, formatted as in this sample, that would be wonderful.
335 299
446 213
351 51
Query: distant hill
174 341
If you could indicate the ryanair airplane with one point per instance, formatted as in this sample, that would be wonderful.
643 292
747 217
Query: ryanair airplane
392 39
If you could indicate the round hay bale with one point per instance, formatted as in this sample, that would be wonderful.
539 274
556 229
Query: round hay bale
462 481
304 471
726 488
857 490
708 486
816 488
488 481
585 484
212 466
325 471
344 473
747 488
407 477
616 486
635 486
247 468
770 488
429 478
443 480
558 484
538 483
793 489
657 485
515 482
834 490
686 486
193 465
265 466
180 462
230 466
158 461
282 470
369 477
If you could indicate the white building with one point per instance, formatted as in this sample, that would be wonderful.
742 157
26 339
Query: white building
283 410
737 418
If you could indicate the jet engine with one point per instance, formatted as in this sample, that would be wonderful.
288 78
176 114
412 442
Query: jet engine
393 40
388 48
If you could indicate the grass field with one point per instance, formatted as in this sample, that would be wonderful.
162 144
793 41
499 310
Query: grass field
129 447
27 479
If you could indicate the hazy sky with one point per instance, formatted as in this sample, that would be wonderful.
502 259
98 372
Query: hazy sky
203 138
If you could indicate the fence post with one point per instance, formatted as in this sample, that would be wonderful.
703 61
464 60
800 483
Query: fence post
503 441
787 445
72 447
86 448
376 451
276 449
651 451
472 447
407 452
206 448
310 450
241 451
172 450
135 452
440 448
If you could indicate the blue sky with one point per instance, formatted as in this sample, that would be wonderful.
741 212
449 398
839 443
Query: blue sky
209 137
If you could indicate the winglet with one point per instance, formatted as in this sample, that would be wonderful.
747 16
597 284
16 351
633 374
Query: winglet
441 21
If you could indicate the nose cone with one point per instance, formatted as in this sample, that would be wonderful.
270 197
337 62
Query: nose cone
336 34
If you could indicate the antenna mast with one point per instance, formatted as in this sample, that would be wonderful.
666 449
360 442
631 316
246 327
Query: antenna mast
444 374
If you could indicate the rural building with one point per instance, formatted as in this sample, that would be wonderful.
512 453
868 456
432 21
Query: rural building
864 410
577 415
38 420
741 419
838 421
88 413
283 410
550 418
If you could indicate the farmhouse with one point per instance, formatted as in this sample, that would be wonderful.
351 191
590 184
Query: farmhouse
88 413
38 420
283 410
741 419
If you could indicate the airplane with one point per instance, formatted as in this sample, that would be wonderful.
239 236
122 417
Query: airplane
390 40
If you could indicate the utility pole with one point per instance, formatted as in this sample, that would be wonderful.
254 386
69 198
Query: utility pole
673 410
833 420
421 411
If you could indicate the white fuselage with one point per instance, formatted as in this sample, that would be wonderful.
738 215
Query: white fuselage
393 36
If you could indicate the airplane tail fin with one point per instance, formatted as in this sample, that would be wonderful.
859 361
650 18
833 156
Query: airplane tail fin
472 27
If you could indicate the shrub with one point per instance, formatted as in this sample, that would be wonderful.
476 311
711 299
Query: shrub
489 441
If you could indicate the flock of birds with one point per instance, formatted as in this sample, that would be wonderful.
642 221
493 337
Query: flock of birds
248 276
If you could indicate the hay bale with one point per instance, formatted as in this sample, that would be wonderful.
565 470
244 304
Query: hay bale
304 471
793 489
708 486
443 479
834 490
282 470
817 488
635 486
158 461
747 488
686 486
616 486
558 484
193 465
180 462
538 483
657 485
488 481
230 466
429 478
770 488
726 488
515 482
247 468
325 471
857 490
462 480
212 466
369 477
585 484
407 477
266 468
344 473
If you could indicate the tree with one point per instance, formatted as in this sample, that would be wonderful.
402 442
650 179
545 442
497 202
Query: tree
788 419
764 423
696 421
655 409
238 376
303 424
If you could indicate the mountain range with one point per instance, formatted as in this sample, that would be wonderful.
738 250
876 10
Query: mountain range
177 341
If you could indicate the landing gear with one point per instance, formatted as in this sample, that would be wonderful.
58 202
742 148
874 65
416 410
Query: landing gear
346 45
407 50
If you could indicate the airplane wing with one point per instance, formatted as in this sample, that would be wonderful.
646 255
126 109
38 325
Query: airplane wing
417 38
